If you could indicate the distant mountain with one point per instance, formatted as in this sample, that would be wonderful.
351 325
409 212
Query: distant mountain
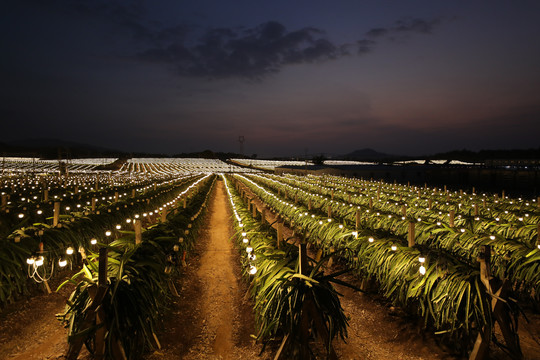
367 155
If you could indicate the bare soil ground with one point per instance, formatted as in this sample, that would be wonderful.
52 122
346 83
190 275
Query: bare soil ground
29 329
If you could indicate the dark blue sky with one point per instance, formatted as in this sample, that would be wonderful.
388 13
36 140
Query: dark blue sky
402 77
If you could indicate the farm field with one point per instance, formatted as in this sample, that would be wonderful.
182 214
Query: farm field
200 259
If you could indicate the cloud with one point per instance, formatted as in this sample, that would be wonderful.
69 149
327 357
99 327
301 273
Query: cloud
247 53
404 27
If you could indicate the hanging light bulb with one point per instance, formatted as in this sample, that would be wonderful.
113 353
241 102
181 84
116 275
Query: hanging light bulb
245 240
93 241
422 270
252 270
118 227
393 247
62 262
371 239
70 250
249 249
30 260
39 261
422 259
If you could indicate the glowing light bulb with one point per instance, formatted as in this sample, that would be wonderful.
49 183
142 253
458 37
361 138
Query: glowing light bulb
93 241
245 240
70 250
21 216
422 270
39 212
30 261
108 233
249 249
118 227
492 237
422 259
340 226
462 230
62 262
252 270
39 261
394 248
371 239
244 234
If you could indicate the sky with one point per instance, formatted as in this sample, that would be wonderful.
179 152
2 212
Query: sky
292 77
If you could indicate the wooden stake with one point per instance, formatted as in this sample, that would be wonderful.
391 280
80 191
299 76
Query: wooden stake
452 216
4 202
329 212
411 236
357 218
279 232
56 213
137 225
164 215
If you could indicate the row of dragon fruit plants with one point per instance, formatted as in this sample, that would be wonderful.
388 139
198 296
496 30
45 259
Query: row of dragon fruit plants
436 275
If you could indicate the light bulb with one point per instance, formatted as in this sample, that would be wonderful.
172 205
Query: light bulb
252 270
62 262
93 241
118 227
422 270
249 249
394 248
31 260
422 259
108 233
21 216
69 251
245 240
39 261
371 239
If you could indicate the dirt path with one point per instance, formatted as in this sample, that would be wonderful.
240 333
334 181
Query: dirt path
29 329
212 319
